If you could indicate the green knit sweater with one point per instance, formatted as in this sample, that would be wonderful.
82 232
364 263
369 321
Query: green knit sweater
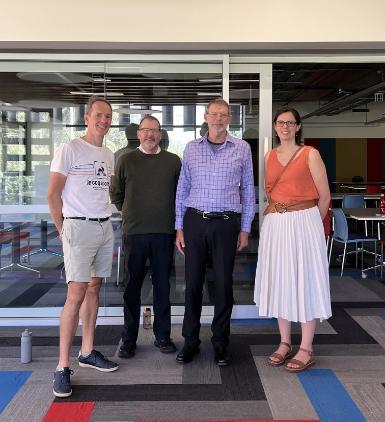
143 188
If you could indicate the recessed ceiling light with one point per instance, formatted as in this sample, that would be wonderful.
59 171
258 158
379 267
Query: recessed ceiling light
209 94
98 94
44 103
141 111
54 77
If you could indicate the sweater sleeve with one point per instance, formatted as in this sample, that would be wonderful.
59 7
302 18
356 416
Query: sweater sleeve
118 183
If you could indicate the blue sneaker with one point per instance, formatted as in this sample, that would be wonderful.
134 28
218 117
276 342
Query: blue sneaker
97 361
62 382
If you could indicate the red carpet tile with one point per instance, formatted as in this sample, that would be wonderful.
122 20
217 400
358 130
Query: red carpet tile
69 412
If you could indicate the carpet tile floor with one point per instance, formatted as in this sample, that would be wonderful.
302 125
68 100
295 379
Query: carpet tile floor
346 384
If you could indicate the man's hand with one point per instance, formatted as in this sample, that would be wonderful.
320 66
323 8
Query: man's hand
243 240
179 241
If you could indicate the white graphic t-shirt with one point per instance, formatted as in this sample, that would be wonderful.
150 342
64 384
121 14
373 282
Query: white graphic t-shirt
88 169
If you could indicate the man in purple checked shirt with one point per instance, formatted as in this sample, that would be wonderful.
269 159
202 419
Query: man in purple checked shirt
215 205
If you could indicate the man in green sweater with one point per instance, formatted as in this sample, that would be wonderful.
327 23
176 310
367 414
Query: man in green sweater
143 189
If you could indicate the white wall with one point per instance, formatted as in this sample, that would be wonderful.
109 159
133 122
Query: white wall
179 21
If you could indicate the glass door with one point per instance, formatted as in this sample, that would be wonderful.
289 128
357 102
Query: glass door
250 97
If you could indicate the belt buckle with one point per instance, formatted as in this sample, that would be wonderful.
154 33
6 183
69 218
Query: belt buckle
226 216
280 207
204 214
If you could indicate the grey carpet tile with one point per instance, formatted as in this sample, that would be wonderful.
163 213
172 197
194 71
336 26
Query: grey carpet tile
164 392
284 392
370 399
36 331
348 289
174 410
373 325
355 369
54 297
50 351
148 355
14 290
203 369
374 285
380 311
149 370
348 350
29 404
272 328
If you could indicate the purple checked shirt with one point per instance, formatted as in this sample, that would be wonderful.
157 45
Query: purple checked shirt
217 181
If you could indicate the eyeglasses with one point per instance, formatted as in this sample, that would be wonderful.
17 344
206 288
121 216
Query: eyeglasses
289 123
220 115
149 130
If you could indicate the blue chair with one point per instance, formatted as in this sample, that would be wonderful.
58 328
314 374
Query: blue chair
355 201
341 234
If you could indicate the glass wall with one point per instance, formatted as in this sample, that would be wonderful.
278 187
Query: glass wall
42 105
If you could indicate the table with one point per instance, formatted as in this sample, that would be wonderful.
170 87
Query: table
18 213
358 185
367 196
367 214
15 230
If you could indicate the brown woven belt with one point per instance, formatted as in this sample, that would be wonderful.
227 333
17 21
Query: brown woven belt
295 206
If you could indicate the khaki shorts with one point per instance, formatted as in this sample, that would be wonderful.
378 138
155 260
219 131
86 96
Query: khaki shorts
88 248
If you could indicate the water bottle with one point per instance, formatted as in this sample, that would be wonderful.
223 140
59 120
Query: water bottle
26 346
382 203
147 318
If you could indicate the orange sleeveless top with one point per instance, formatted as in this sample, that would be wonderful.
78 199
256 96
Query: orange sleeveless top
296 184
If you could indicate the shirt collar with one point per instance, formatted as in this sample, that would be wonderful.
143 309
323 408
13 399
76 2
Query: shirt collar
144 152
229 138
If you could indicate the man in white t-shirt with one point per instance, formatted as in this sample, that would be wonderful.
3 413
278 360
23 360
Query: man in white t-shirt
78 198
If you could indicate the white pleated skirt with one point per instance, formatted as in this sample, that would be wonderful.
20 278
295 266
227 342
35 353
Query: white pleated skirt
292 278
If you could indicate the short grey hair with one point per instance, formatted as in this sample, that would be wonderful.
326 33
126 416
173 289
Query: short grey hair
149 117
94 99
219 101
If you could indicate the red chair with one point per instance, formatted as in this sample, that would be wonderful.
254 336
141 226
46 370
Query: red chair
382 243
327 222
373 189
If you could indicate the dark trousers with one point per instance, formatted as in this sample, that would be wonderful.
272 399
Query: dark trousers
217 238
159 249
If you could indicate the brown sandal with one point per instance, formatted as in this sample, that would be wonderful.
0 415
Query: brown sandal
301 365
281 359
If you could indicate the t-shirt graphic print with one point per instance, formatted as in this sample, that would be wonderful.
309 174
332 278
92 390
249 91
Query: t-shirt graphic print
88 169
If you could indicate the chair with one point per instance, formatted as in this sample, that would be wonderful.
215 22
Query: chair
354 201
373 189
341 234
382 243
327 223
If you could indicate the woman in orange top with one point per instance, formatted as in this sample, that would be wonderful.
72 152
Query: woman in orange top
292 277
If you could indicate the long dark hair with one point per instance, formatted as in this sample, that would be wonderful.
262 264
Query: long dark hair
297 117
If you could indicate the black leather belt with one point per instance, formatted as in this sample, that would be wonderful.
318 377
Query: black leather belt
100 220
225 215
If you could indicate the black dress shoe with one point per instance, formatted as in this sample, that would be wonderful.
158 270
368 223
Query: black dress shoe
221 356
187 354
127 350
165 345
